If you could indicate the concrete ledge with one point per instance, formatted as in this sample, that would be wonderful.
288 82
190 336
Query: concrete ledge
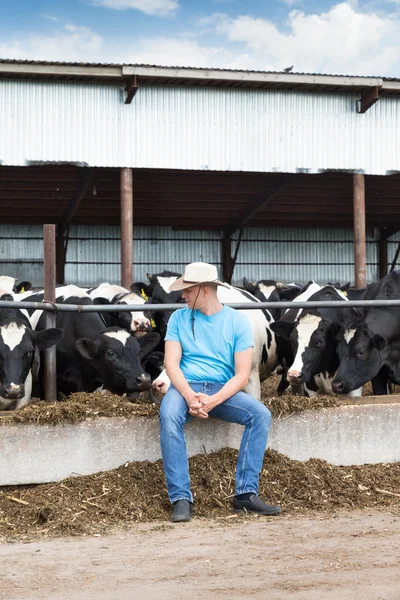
348 435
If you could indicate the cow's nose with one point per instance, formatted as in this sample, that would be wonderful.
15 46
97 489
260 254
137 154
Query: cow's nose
143 380
141 325
338 386
295 376
13 391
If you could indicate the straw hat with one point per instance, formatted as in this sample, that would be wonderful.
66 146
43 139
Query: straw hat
195 274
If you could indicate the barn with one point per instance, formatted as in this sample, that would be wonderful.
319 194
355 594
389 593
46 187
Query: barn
272 175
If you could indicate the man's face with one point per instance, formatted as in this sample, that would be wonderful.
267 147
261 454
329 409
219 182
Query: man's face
193 295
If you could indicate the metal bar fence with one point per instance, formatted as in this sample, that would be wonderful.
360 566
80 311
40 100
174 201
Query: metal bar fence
46 306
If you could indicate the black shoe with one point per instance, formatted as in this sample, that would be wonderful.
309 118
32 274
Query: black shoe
182 511
254 504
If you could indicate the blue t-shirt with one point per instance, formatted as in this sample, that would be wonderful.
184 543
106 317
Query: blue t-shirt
209 356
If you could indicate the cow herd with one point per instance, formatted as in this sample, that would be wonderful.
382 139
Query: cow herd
325 350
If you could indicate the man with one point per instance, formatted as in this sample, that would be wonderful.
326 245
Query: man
208 354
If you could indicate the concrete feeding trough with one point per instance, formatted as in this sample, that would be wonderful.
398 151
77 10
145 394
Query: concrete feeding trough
365 431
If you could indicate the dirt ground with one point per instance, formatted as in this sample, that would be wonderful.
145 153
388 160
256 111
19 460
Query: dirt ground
344 556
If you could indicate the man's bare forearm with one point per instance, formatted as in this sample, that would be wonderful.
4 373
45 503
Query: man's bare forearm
178 380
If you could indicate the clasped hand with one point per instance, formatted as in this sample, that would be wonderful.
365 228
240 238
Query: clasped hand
201 404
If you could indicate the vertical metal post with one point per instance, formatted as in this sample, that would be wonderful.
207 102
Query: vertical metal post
49 243
360 261
382 254
60 259
226 259
126 227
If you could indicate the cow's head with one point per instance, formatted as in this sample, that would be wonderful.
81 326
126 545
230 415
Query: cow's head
161 294
136 322
360 355
272 291
17 351
116 356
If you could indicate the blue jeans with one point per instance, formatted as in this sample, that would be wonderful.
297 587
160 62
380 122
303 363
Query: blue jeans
240 408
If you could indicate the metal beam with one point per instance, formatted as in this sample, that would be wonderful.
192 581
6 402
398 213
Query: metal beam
360 261
368 99
240 221
74 203
131 89
382 254
59 69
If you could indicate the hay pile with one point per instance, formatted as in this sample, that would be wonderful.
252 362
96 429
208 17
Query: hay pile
81 406
136 492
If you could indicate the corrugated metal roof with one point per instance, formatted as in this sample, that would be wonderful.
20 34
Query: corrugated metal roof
192 76
147 65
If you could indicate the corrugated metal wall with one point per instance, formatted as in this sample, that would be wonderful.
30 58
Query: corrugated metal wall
283 254
196 128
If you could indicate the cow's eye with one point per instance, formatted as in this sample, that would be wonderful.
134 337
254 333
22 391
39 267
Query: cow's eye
319 344
360 352
29 354
110 353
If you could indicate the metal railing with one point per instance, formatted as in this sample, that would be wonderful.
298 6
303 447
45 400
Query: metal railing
82 308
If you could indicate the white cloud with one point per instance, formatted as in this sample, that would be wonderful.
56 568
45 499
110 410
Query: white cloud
50 17
72 43
340 40
160 8
182 53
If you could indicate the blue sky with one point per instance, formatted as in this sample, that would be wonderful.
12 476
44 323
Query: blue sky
354 37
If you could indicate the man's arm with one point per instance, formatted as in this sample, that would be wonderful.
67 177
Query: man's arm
243 361
173 355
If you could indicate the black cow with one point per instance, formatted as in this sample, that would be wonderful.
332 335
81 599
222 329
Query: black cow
18 343
92 355
369 347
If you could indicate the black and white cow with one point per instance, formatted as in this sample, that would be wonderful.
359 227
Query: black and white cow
135 321
158 291
92 355
315 359
272 291
18 343
369 347
264 354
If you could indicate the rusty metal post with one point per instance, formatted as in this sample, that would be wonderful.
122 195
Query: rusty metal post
360 261
126 227
49 243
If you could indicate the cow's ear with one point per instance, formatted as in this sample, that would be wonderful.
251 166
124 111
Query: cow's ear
336 329
379 342
87 348
48 337
289 294
24 286
282 328
149 276
148 342
102 301
249 287
140 288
